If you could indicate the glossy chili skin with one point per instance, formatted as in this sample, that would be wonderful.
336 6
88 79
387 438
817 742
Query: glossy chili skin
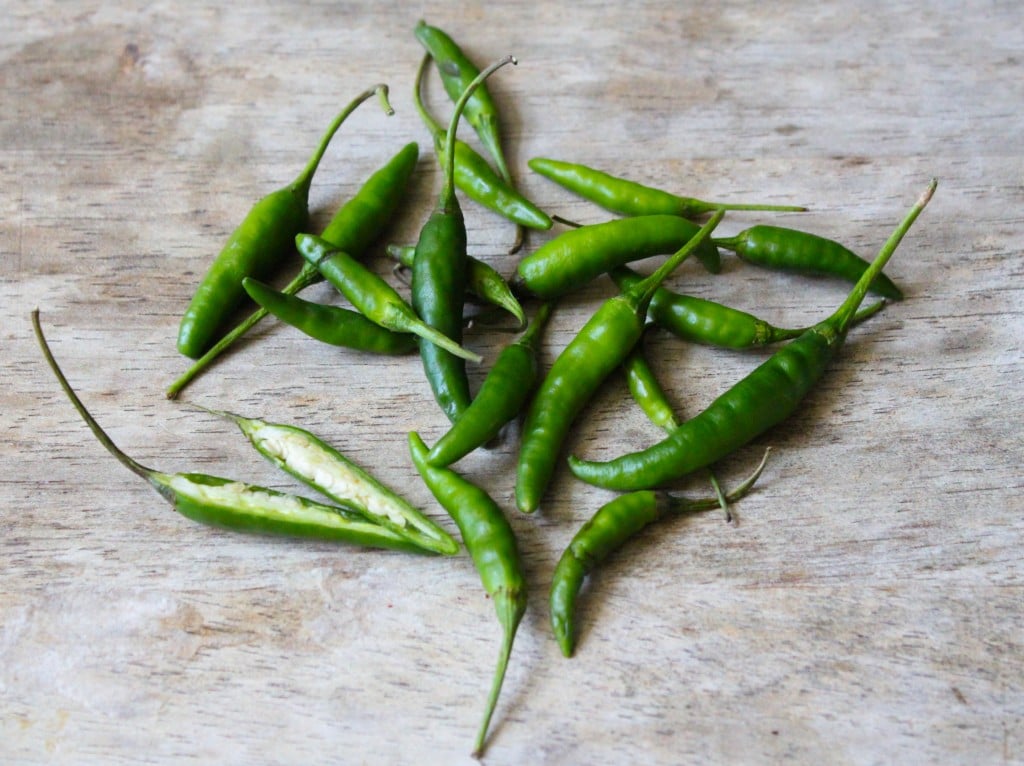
764 398
474 177
609 529
620 195
647 391
230 504
577 256
703 321
457 72
597 350
491 543
501 397
355 226
776 247
333 325
254 249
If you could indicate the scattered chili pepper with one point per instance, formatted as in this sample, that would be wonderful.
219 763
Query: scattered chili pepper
439 274
371 295
608 530
631 198
482 281
491 543
576 256
257 246
475 178
317 464
353 228
775 247
234 505
501 397
759 401
599 348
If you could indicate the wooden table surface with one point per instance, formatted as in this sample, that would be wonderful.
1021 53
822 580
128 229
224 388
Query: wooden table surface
867 608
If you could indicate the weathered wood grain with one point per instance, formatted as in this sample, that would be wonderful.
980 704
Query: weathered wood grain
866 609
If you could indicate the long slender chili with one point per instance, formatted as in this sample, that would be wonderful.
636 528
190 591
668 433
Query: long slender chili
501 397
257 246
631 198
759 401
602 344
607 531
482 280
576 256
775 247
439 275
474 177
353 229
372 295
234 505
492 545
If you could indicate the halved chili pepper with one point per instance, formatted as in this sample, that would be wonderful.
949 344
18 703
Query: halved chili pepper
232 504
491 543
501 397
607 531
765 397
371 295
353 229
257 246
474 177
439 275
602 344
775 247
482 281
576 256
317 464
333 325
631 198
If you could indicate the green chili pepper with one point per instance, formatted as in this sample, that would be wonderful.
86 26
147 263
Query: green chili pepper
501 397
234 505
333 325
492 545
784 249
599 348
256 247
607 531
320 466
576 256
630 198
762 399
482 281
371 295
475 178
353 228
439 275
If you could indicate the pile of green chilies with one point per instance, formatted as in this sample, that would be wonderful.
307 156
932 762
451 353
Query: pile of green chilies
649 222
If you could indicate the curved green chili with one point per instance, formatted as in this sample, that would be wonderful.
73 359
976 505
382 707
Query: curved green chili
759 401
608 530
482 280
775 247
234 505
576 256
353 229
501 396
333 325
371 295
317 464
439 275
630 198
475 178
599 348
256 247
491 543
